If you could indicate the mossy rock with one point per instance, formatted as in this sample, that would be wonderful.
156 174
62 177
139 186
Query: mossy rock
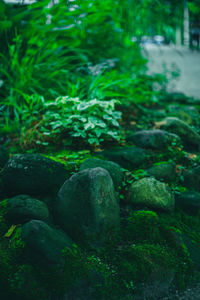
192 178
154 139
32 174
23 208
189 137
188 201
46 241
187 114
87 206
4 156
143 225
163 171
149 192
129 157
113 169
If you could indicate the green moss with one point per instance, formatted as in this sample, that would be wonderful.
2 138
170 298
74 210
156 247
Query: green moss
3 224
139 262
11 256
71 159
143 225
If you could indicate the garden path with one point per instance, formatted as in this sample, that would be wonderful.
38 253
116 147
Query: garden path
179 60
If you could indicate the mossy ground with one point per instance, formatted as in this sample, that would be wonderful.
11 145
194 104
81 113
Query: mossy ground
148 242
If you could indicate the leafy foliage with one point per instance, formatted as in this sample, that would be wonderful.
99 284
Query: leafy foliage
93 121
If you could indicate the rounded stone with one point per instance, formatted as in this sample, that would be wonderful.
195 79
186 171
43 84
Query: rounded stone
32 174
154 139
151 193
87 205
113 169
23 208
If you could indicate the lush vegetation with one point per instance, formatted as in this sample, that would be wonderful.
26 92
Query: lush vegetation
73 82
82 49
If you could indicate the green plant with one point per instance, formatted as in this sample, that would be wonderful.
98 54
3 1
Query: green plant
92 121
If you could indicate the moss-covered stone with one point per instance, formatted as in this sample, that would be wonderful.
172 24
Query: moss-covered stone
163 171
143 225
113 169
188 201
188 114
188 135
4 156
46 241
154 139
192 178
23 208
149 192
32 174
129 157
87 205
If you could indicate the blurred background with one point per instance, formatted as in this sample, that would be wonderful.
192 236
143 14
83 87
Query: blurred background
129 50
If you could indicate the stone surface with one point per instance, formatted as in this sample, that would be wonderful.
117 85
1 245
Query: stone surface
164 171
87 205
23 208
187 114
149 192
189 201
192 178
32 174
113 169
189 137
45 242
4 156
129 157
153 139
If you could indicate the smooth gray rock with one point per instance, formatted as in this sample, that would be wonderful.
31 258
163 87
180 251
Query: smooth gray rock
129 157
45 242
151 193
154 139
32 174
113 169
188 135
87 206
164 171
23 208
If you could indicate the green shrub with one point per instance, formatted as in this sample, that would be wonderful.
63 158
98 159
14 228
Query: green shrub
90 121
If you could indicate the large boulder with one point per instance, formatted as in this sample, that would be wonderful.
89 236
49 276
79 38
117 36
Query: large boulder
153 139
151 193
192 178
23 208
87 206
163 171
188 201
113 169
129 157
44 242
32 174
4 156
188 135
